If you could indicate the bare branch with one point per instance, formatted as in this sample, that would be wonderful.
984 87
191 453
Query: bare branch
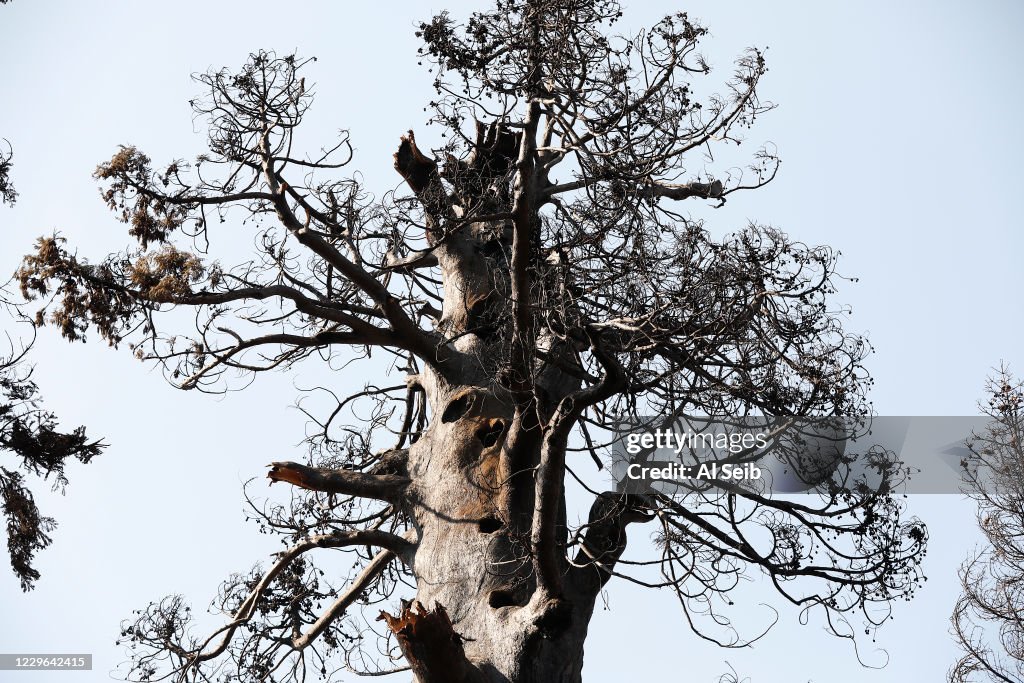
385 487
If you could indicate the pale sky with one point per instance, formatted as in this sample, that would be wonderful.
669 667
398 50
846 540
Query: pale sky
898 128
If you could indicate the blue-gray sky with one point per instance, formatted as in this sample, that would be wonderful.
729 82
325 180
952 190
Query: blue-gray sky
898 127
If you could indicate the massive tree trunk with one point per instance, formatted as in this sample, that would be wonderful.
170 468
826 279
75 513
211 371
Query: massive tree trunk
473 569
479 613
476 588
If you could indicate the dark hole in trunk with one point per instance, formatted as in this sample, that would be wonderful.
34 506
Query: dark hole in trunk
482 317
489 434
501 598
493 248
488 525
456 409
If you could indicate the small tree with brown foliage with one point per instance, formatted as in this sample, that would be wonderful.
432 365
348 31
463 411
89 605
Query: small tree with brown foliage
33 447
30 442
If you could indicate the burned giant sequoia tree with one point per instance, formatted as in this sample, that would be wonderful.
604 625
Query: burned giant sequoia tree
535 285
